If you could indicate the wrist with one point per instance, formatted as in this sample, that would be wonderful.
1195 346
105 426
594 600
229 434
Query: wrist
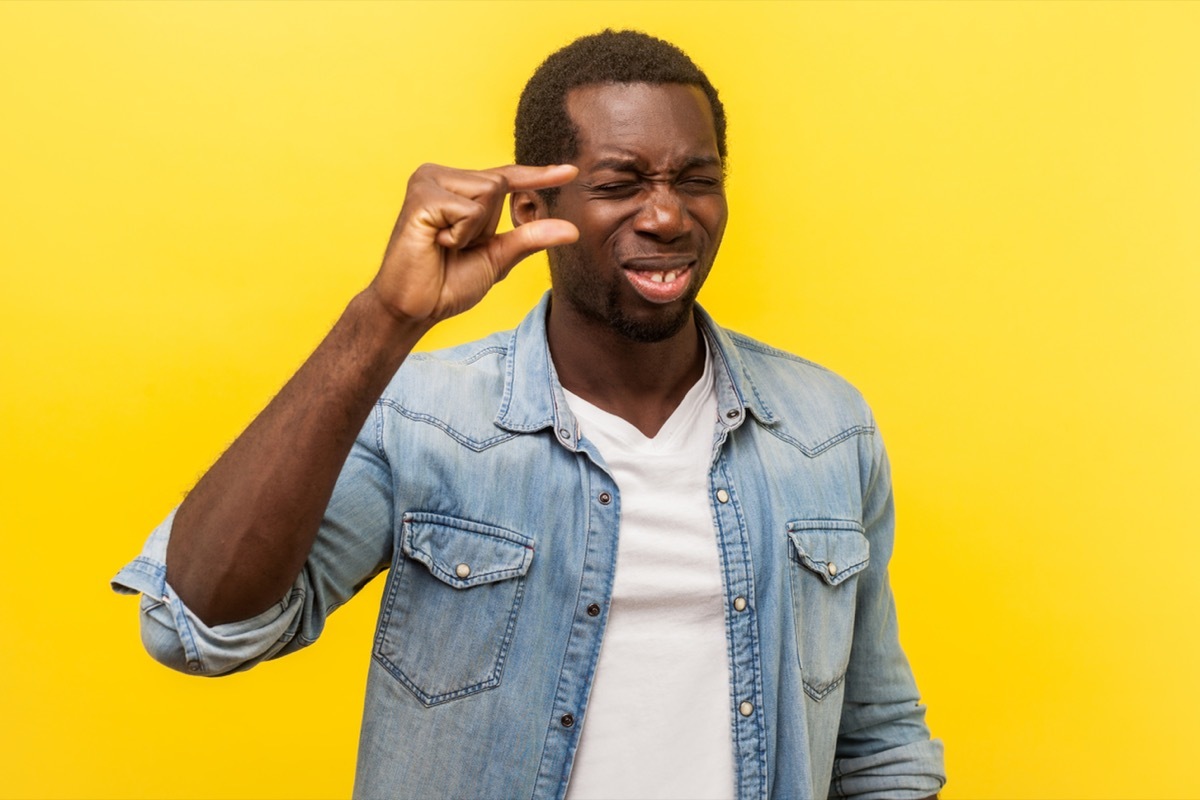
378 328
389 317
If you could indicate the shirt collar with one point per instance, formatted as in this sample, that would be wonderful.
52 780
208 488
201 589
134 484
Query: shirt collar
533 397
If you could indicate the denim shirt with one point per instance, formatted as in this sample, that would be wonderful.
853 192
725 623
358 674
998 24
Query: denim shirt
498 525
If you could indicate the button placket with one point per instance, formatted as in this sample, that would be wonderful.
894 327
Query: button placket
745 674
600 501
604 498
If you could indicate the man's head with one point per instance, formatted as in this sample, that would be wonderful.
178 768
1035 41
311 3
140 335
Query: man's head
545 133
646 131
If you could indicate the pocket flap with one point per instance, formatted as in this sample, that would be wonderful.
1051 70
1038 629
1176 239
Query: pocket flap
832 549
462 553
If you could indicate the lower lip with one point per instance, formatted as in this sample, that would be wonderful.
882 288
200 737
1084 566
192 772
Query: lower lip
659 292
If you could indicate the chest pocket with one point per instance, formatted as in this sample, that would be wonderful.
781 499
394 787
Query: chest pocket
826 555
450 607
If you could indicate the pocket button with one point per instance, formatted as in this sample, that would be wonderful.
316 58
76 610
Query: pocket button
463 570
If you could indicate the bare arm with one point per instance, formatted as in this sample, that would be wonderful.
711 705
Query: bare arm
242 535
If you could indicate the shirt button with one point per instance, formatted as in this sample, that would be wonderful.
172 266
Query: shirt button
564 434
739 604
463 571
746 708
832 568
567 720
593 610
605 498
193 666
723 495
733 413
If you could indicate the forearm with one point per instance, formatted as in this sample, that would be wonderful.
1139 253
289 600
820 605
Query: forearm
242 535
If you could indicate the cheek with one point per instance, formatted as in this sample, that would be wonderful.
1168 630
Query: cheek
599 230
604 219
712 216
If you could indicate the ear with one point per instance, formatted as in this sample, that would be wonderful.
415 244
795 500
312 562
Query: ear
526 206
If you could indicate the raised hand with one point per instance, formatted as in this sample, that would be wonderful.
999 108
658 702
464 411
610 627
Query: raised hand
444 254
252 519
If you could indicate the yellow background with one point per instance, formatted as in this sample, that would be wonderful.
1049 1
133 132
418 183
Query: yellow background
985 215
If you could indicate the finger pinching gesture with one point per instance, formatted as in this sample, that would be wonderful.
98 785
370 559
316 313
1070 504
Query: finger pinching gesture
444 254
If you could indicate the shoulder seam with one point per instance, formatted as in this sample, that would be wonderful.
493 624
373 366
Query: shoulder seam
814 451
745 342
478 445
471 358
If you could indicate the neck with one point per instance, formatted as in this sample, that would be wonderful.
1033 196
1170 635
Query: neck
640 382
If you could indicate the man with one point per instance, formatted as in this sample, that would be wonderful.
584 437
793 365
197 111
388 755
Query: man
740 641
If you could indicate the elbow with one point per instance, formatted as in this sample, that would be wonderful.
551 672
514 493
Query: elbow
163 640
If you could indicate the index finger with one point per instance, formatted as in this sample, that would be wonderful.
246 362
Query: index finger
521 177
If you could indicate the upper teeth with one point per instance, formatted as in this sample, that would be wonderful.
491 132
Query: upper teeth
664 277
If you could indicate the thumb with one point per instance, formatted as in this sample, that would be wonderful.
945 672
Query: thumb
508 249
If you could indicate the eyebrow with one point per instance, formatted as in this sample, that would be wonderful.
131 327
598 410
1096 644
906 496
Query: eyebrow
622 164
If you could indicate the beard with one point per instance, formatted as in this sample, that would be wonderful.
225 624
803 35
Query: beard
583 288
655 329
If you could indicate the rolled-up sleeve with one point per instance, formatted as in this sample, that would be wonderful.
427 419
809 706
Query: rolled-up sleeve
354 545
884 748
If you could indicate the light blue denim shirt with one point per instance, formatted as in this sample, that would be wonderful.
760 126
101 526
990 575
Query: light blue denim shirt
498 522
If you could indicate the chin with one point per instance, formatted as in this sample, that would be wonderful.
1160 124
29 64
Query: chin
655 329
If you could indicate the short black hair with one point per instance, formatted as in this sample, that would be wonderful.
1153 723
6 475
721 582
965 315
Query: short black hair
544 132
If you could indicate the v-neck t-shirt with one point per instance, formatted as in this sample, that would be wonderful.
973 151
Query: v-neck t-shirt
658 722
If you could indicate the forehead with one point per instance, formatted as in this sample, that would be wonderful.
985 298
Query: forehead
652 123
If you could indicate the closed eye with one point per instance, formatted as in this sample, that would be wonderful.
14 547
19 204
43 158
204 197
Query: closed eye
701 184
616 189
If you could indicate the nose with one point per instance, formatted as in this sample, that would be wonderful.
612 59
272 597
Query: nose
663 214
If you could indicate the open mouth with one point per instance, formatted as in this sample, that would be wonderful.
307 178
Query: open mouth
664 277
660 282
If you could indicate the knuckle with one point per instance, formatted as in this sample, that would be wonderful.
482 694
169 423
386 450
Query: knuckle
420 175
427 173
524 238
494 188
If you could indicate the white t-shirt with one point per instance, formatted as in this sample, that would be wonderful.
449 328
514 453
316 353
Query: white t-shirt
658 722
